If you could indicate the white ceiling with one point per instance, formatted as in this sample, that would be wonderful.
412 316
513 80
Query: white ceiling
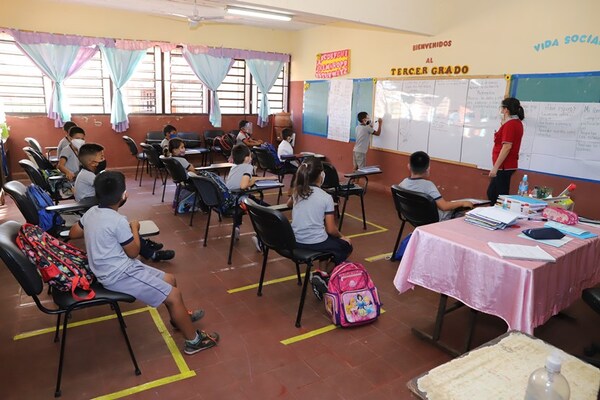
391 14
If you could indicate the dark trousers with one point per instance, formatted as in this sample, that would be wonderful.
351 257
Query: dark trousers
500 184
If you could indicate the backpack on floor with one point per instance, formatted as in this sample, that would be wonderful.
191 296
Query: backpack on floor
62 187
62 266
352 297
229 203
41 199
401 248
225 142
271 149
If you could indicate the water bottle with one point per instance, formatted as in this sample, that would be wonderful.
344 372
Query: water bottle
547 383
523 186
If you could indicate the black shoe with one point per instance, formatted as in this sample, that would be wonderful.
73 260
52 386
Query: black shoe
163 255
154 245
319 286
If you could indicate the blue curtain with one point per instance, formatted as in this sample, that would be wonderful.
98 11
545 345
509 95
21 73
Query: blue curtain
58 62
211 71
265 74
121 66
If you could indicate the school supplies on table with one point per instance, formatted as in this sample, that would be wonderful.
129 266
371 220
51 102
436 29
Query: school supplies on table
549 242
266 183
571 230
521 204
521 252
560 215
491 217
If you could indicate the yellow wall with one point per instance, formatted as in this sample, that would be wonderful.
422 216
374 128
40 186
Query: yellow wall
491 37
59 17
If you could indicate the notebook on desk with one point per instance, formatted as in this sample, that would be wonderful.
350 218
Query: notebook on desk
476 202
371 168
266 183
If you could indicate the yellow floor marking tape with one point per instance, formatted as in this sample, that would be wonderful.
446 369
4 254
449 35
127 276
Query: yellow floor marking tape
312 333
378 257
38 332
380 229
184 370
255 285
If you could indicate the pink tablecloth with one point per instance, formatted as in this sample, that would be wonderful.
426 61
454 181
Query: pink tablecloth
453 258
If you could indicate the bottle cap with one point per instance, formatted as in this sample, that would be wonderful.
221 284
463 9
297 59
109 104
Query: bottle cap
554 362
525 177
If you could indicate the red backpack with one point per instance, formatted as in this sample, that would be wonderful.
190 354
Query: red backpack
62 266
225 142
352 297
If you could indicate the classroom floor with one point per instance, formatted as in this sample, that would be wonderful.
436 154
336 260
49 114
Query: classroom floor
251 362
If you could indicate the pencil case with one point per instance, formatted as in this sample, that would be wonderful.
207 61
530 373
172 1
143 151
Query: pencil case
560 215
544 233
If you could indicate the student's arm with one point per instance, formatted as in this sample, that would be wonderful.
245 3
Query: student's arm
62 168
76 231
252 142
506 146
378 131
445 205
331 227
191 168
132 249
290 202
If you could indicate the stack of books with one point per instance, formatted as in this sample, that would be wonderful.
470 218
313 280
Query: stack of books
491 217
522 205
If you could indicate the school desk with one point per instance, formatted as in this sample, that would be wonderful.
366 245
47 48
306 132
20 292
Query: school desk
500 369
453 258
215 167
198 151
345 189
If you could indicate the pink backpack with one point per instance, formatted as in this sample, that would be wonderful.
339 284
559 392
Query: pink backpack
352 297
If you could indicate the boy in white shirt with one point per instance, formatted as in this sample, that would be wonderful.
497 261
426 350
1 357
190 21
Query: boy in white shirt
285 148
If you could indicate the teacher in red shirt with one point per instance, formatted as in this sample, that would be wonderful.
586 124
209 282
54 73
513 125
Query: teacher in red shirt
507 143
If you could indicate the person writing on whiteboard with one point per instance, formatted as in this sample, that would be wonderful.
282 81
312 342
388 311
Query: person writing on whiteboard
507 143
363 130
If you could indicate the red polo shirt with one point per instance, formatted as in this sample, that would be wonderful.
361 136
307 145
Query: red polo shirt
510 132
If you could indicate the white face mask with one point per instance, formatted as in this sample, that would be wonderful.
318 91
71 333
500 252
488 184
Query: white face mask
77 143
322 177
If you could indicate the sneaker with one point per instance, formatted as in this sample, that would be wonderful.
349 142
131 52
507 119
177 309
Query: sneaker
154 245
194 316
236 233
205 341
163 255
319 286
257 243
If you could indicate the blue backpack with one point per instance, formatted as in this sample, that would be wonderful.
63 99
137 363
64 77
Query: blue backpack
401 248
41 199
229 203
271 149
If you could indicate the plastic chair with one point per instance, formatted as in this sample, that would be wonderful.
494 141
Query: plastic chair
275 232
154 161
140 156
267 163
416 208
30 280
154 137
38 158
180 178
36 176
34 144
332 185
209 137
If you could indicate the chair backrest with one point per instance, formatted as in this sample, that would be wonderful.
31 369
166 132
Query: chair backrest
176 170
209 192
34 144
22 269
34 174
41 161
190 139
152 155
272 227
265 159
210 134
415 207
154 136
18 192
332 179
132 146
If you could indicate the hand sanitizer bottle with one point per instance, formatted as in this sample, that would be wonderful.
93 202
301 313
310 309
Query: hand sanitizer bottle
523 186
547 383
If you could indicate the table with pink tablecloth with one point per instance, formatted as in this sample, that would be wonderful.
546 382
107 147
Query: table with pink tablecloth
453 258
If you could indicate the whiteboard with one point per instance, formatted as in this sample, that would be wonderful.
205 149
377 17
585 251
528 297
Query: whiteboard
451 119
562 139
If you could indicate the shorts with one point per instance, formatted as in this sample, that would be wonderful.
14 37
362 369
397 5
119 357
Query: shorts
337 246
143 282
359 159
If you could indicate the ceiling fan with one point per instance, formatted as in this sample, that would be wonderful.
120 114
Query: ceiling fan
196 19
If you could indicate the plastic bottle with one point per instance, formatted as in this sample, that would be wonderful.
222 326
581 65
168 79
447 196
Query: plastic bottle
547 383
523 186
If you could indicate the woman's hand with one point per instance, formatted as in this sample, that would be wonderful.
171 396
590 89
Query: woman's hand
493 173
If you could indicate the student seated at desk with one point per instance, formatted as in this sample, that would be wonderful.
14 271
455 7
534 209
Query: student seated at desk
176 150
285 149
64 142
170 132
91 157
418 182
313 221
68 162
245 135
113 243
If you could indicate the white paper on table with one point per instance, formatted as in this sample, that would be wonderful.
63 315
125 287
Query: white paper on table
521 252
549 242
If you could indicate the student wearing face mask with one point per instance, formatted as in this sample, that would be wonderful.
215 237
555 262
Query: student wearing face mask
314 223
507 144
91 157
245 135
363 131
170 132
64 142
285 148
68 162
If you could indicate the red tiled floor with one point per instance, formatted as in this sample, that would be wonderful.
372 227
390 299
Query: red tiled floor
369 362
